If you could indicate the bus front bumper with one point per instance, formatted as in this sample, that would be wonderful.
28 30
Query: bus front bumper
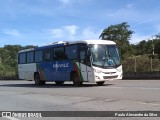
110 77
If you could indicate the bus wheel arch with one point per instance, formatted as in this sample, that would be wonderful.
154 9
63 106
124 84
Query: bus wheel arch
37 79
75 78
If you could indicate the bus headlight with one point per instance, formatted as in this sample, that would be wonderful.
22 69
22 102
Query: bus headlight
97 71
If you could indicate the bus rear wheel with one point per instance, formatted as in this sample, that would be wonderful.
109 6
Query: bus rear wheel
100 83
76 80
37 80
59 82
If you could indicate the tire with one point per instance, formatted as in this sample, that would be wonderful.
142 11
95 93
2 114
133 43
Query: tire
59 82
37 80
100 83
76 80
43 82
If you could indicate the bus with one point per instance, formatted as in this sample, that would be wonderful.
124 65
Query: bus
77 61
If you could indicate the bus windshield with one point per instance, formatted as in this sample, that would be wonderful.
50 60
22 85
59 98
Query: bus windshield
105 56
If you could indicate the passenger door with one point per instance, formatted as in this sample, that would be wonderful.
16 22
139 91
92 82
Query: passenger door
85 65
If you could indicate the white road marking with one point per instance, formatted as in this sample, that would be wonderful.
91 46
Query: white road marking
131 87
154 104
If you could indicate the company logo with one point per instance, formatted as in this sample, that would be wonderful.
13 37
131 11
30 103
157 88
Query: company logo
64 65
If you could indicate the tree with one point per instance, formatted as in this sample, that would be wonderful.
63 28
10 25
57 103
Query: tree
120 34
141 48
157 45
8 58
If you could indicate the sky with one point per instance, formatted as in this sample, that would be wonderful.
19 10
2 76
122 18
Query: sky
41 22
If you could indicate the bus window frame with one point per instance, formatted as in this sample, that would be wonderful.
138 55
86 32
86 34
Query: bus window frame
35 56
19 60
27 57
44 51
87 58
76 51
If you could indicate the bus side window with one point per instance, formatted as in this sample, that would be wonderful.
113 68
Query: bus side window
47 55
59 53
71 52
38 56
22 58
30 57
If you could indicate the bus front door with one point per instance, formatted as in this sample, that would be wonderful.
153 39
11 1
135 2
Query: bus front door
85 68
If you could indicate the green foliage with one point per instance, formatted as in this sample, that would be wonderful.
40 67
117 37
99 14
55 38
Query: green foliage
144 47
147 55
119 32
7 71
141 63
8 59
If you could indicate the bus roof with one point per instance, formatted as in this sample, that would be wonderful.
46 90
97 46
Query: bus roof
62 43
108 42
26 50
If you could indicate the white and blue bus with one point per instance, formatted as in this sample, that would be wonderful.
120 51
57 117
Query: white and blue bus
79 61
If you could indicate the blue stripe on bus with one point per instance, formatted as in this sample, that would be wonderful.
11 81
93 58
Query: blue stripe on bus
57 70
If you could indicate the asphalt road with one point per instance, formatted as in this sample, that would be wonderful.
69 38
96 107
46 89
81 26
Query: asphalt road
119 95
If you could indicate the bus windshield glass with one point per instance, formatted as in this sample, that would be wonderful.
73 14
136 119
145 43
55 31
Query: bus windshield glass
105 56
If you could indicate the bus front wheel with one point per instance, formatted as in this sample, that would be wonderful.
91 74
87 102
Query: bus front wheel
37 80
100 83
76 80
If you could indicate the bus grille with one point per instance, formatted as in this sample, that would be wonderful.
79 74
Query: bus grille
110 77
109 72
